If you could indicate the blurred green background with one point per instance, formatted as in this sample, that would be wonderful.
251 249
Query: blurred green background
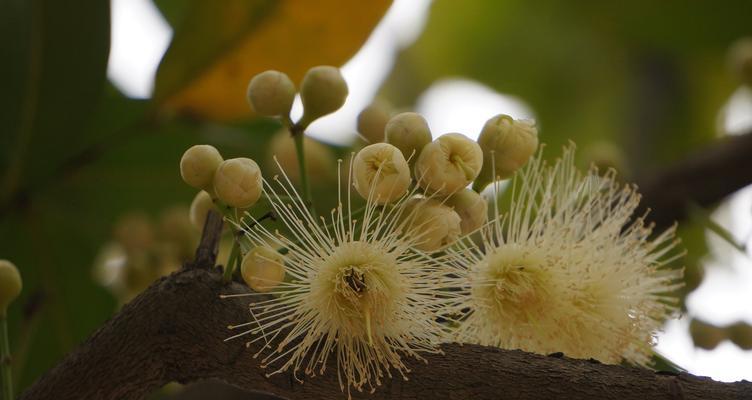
76 154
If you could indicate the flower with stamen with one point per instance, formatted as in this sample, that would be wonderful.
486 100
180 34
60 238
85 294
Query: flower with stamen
357 291
569 268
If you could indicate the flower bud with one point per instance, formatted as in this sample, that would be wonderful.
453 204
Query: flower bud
10 285
372 121
198 165
200 206
408 132
323 91
740 59
706 336
319 158
238 182
471 207
263 268
434 225
741 335
381 173
448 164
507 145
271 94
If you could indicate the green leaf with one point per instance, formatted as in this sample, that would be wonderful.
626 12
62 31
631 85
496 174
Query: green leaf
54 66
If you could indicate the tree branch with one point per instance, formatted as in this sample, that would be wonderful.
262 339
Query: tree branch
704 178
175 331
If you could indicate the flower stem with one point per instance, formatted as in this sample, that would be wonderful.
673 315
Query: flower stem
6 379
298 135
231 261
299 149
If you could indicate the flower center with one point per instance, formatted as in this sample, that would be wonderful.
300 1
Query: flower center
355 279
359 287
511 285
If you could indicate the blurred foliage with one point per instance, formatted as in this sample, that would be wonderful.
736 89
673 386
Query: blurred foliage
216 49
76 155
649 76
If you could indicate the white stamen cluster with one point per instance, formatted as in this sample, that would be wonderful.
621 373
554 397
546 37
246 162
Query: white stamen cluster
356 292
567 269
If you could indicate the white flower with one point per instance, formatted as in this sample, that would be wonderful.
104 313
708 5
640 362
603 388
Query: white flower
358 292
569 268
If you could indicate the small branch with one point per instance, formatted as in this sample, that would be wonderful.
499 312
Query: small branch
208 247
704 178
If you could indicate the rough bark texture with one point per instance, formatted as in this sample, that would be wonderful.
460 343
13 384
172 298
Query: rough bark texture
174 331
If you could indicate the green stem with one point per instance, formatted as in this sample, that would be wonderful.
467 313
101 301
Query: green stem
7 379
299 149
298 135
231 261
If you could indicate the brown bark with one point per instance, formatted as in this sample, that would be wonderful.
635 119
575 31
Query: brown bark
704 178
174 331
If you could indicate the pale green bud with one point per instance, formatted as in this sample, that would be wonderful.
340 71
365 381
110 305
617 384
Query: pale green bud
271 93
408 132
433 224
471 207
381 173
238 182
323 91
372 121
448 164
263 268
198 165
507 145
10 285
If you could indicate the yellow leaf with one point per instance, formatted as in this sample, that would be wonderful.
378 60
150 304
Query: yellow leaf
290 36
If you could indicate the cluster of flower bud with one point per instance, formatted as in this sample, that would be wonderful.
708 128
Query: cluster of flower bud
442 169
452 161
439 221
322 91
236 182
